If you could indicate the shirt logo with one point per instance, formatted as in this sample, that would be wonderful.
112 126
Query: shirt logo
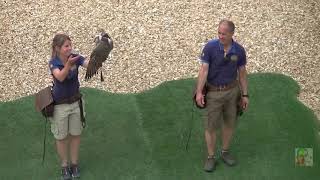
234 58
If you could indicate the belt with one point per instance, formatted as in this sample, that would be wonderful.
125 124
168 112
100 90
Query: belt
222 87
69 100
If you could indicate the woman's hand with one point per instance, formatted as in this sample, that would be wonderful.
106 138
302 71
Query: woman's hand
72 60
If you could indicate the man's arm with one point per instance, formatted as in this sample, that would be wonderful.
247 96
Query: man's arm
243 80
244 86
202 78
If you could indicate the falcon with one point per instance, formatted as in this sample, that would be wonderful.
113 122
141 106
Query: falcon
100 53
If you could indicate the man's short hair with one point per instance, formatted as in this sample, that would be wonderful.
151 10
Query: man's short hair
229 23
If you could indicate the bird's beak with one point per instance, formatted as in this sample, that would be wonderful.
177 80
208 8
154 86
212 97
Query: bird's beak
96 38
110 41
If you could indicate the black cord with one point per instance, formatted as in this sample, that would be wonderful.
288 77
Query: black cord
190 128
44 140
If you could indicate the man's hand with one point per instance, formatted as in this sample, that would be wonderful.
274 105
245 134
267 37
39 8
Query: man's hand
202 78
200 99
244 103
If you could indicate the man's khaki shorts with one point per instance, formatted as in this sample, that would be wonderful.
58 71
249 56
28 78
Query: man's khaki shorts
66 120
221 107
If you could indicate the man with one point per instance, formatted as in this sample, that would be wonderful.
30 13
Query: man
222 61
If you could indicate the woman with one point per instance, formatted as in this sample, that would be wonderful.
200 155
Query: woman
66 124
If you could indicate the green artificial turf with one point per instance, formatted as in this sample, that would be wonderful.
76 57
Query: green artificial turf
143 136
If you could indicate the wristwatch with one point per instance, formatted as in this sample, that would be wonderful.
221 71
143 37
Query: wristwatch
245 95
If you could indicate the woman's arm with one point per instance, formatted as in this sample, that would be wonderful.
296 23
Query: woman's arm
61 75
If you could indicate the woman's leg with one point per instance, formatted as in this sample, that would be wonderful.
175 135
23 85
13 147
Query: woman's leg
59 128
62 149
75 129
74 148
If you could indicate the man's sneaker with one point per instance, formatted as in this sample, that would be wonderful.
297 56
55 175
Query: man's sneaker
65 173
75 171
210 164
227 158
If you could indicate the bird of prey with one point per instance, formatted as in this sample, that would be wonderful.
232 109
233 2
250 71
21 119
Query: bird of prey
100 53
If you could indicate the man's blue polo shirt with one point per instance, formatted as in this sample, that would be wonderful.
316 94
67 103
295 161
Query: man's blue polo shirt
222 70
68 87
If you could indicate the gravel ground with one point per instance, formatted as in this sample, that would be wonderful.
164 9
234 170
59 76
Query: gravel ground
158 40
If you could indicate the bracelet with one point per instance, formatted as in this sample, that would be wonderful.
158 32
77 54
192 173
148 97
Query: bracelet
245 95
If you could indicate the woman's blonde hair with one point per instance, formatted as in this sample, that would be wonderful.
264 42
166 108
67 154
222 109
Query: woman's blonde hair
58 41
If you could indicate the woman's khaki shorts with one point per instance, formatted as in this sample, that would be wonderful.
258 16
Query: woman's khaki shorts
221 107
66 120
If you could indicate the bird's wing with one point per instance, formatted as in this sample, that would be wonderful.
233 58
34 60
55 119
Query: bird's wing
97 57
